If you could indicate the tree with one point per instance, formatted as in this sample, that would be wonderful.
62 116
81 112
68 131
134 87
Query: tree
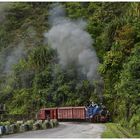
128 87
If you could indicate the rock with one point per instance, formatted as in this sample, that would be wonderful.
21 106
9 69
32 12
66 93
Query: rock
28 126
39 121
2 130
30 122
45 124
37 126
11 129
51 124
55 121
19 122
22 128
7 127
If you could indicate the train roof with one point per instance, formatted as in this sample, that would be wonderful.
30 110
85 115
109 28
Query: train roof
71 107
68 107
51 108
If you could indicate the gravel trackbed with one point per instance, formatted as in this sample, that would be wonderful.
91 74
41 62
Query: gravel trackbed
65 130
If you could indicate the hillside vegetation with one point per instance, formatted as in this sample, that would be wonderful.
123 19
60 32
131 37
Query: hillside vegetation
31 77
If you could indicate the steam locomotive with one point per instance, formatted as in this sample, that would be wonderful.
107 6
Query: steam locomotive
93 113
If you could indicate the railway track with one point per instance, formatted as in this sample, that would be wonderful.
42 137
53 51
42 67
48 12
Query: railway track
124 132
116 131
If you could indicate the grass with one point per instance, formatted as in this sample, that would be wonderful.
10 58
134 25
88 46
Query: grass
114 130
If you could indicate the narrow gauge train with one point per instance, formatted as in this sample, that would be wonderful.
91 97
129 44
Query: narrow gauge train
92 113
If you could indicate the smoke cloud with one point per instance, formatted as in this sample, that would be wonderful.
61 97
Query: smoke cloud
72 43
11 56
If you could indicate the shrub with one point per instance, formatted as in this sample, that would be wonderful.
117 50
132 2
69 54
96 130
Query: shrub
4 123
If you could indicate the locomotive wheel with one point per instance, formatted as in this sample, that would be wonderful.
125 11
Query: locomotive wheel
103 119
90 120
96 119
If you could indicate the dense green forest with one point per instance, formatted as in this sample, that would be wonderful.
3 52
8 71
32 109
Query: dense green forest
31 78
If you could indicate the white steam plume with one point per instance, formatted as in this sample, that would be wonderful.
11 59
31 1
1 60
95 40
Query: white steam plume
72 42
13 58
